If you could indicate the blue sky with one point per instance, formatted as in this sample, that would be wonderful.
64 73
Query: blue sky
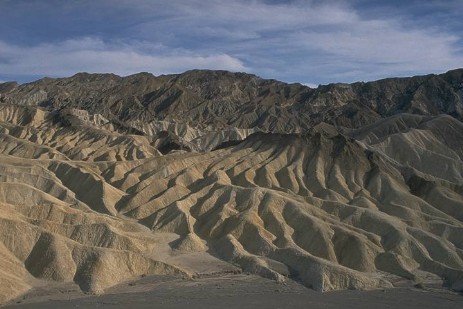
311 42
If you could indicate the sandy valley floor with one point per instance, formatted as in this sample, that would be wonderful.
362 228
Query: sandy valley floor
233 291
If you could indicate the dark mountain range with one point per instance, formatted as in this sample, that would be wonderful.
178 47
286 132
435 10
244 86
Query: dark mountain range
221 99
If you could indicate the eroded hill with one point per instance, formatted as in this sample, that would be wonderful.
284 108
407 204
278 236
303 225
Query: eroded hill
104 178
220 99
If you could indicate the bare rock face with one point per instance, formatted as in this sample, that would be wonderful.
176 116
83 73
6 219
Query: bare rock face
106 178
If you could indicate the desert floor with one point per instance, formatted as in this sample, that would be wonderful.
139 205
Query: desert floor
233 291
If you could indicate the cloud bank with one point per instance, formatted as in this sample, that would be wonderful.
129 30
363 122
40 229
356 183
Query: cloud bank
94 55
305 41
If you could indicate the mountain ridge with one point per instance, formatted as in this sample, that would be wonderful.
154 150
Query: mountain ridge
203 97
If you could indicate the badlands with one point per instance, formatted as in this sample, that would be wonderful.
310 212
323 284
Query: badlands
105 180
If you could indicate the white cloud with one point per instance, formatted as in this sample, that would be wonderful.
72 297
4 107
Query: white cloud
375 48
309 41
311 85
94 55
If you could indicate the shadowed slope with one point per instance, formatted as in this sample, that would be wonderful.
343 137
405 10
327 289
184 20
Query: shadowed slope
212 100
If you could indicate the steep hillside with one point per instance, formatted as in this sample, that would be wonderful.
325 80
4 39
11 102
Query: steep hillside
220 99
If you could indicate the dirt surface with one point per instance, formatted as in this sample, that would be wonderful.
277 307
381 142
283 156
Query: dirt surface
233 291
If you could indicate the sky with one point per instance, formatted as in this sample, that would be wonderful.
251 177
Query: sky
311 42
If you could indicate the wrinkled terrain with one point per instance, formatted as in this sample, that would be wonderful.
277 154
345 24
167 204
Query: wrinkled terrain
104 179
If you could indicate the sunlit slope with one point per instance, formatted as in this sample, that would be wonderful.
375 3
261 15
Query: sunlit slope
321 208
